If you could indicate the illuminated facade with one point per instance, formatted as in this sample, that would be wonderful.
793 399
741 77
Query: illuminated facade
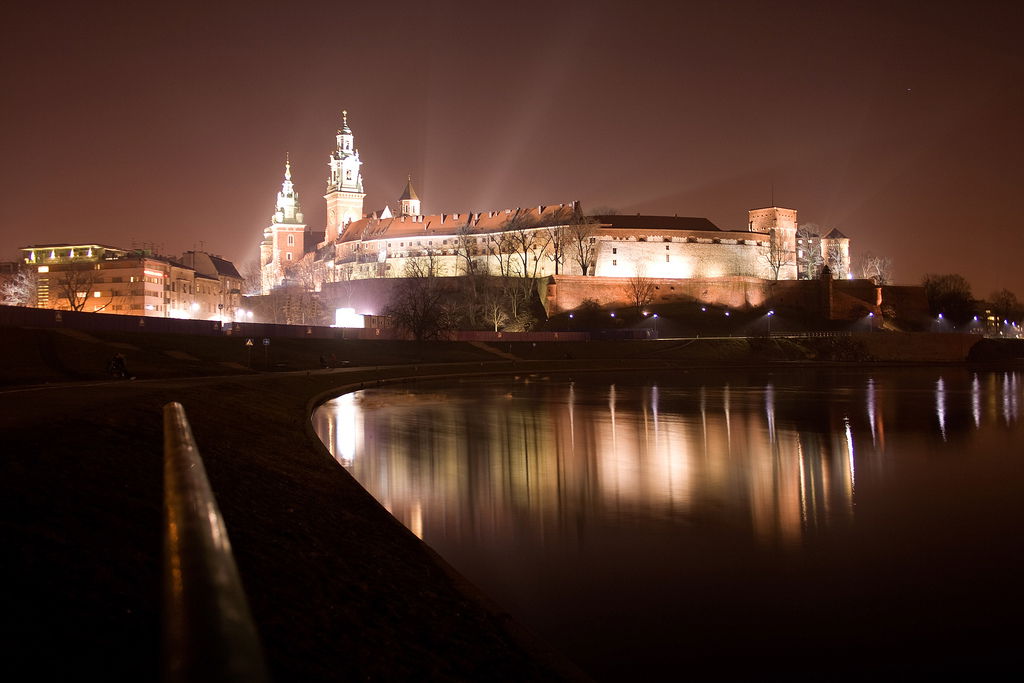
96 278
538 241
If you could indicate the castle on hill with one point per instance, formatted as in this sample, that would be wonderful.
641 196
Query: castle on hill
538 241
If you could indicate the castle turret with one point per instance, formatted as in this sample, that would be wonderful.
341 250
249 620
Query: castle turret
780 224
345 184
409 202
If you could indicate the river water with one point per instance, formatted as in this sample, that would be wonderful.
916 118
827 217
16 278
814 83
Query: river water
807 523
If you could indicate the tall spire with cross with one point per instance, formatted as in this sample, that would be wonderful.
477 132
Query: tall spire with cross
288 209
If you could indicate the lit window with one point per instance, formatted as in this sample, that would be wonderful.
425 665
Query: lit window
96 294
43 269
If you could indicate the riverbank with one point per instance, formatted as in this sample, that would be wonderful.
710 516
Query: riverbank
339 590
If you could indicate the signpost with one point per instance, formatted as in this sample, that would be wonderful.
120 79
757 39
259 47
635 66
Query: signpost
248 348
266 351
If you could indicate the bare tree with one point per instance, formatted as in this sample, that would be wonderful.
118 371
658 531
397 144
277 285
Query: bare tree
838 260
300 300
418 305
777 256
76 286
500 247
581 241
949 295
809 258
465 247
640 288
20 289
252 278
425 265
495 308
1005 304
876 268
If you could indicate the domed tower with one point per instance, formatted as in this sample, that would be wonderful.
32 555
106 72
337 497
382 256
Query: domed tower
345 185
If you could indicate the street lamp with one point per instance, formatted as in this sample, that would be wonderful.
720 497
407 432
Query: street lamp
770 314
655 324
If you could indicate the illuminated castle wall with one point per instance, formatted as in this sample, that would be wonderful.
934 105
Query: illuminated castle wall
537 241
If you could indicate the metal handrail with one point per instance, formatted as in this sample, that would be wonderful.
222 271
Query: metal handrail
209 633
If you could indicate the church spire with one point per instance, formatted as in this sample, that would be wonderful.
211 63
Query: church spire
409 202
288 209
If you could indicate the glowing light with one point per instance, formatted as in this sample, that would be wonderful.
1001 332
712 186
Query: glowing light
771 312
347 317
940 316
613 315
655 315
940 405
704 309
154 273
727 314
872 315
195 305
976 400
96 295
43 269
849 276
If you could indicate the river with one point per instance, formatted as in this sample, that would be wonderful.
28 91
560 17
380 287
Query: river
807 523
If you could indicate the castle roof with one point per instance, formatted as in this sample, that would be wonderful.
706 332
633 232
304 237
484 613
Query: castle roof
409 193
834 234
656 222
225 267
451 223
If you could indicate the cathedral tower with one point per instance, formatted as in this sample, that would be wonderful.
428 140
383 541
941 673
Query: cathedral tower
345 184
284 239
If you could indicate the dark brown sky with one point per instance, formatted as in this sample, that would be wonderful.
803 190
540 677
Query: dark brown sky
898 123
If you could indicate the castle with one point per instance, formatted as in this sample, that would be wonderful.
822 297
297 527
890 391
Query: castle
534 242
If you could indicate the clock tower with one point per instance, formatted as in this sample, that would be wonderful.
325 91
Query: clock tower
345 183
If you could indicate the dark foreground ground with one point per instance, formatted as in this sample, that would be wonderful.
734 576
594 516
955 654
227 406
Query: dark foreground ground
339 590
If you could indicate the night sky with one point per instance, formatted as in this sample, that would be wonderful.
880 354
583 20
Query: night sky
167 124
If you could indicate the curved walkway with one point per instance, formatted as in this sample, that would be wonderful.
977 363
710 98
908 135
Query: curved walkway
338 588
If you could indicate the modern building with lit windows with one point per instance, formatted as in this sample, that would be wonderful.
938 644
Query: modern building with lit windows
97 278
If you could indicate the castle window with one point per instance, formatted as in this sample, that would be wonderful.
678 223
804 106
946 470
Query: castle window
666 258
615 262
288 256
291 240
666 247
615 251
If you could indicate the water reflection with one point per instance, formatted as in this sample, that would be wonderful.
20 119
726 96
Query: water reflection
502 475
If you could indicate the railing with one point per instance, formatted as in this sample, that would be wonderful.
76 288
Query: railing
209 634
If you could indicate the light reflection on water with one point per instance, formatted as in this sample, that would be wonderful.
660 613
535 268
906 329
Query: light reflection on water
550 493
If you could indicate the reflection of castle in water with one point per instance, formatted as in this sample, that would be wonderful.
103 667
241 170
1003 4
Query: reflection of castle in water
778 459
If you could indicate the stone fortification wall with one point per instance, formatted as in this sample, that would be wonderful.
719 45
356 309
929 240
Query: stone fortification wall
682 258
836 299
567 292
